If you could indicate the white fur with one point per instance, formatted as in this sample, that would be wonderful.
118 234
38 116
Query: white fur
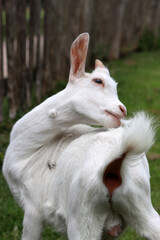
137 122
72 196
82 102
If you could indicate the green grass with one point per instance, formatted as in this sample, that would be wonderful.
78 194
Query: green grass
139 89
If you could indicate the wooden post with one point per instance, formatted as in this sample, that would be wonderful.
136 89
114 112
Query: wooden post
38 61
35 34
10 7
47 29
29 82
1 64
21 52
114 51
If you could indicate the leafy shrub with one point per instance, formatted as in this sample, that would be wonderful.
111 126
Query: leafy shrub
149 41
101 51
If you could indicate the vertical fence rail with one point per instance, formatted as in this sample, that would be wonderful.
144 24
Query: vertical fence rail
1 69
31 54
47 30
34 50
38 78
10 9
21 53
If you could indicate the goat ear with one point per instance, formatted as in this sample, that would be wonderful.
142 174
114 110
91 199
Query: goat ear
78 56
99 64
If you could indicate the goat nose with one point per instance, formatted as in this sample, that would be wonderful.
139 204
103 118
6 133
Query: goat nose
123 110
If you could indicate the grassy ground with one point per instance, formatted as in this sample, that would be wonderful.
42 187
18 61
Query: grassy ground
139 89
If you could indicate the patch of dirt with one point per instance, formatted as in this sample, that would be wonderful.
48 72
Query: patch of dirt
153 156
130 62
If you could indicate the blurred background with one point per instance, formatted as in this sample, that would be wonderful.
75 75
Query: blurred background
36 35
35 40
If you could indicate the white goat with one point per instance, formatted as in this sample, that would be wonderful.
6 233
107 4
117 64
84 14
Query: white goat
87 99
38 142
100 180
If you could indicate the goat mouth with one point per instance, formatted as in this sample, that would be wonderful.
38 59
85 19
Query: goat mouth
115 116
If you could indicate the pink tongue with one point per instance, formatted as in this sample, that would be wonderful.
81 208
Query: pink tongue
115 231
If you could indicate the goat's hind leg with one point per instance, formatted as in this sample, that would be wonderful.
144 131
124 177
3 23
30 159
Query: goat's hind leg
32 225
147 222
141 216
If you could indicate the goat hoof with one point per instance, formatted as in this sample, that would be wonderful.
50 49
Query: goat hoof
115 231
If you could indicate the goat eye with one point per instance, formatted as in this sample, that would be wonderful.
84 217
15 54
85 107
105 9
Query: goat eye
97 80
